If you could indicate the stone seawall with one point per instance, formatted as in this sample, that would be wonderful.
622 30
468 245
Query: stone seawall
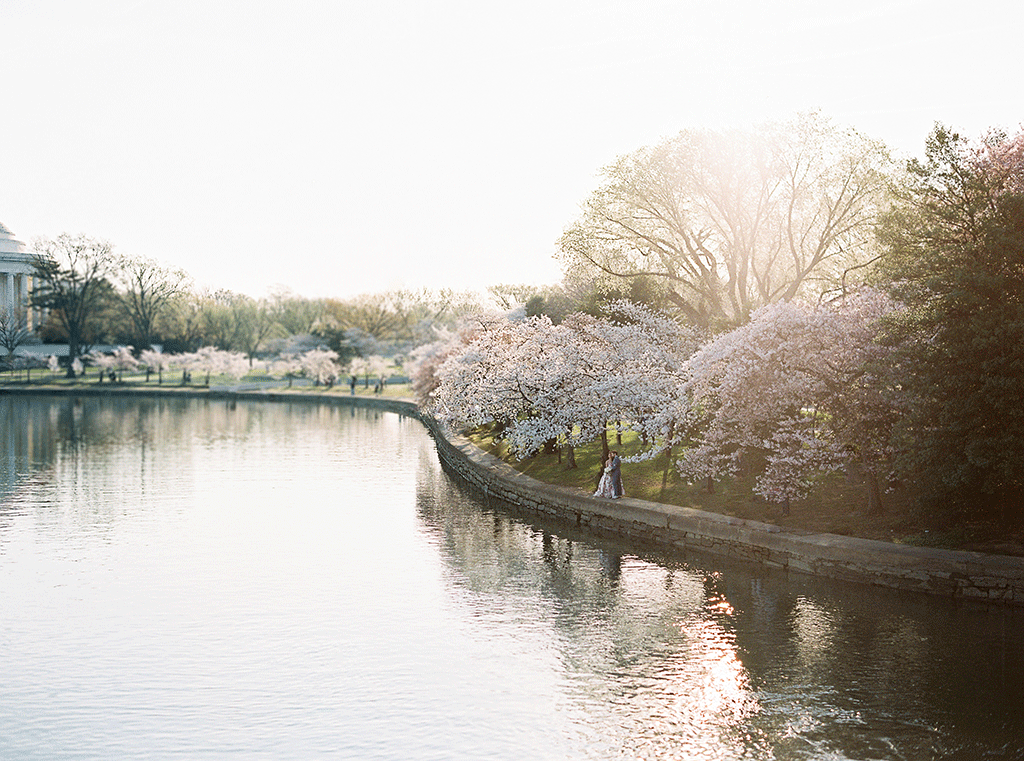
967 575
950 573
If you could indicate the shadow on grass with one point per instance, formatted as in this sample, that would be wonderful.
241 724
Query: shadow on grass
838 503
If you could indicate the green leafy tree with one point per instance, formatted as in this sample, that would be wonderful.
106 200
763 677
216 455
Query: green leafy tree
956 259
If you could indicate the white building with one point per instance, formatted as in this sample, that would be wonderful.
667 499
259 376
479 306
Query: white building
15 275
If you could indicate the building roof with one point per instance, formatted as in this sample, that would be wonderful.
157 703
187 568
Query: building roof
11 249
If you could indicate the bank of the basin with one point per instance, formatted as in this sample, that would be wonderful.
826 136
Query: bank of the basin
958 574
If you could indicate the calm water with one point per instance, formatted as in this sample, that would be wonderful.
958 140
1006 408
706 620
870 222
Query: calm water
189 579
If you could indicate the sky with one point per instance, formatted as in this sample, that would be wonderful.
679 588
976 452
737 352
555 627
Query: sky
340 148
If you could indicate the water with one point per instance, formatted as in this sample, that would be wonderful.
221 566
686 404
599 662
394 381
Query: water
200 580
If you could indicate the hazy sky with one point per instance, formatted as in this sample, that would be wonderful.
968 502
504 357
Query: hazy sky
345 147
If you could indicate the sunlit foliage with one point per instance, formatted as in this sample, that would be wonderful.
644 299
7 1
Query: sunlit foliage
727 221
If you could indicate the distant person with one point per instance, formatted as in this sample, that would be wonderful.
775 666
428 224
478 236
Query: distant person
616 474
352 384
604 486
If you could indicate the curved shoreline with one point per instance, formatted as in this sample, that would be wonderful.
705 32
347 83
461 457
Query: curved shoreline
956 574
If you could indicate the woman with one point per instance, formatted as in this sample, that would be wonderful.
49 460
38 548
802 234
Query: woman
606 487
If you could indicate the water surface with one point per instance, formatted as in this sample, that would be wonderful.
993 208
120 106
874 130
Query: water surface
200 579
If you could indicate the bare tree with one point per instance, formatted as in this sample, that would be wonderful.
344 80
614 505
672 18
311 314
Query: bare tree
181 324
71 280
296 315
14 329
219 327
149 289
732 220
508 296
373 313
254 323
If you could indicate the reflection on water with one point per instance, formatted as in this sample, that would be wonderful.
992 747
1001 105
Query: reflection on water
189 579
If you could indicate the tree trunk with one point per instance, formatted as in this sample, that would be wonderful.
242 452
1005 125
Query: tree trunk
74 347
668 457
570 457
874 491
664 473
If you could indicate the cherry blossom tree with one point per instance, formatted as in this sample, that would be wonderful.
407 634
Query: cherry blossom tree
800 387
426 360
117 362
124 359
540 383
321 365
372 365
210 360
101 360
155 362
25 362
287 366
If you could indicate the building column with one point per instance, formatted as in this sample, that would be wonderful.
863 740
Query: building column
23 305
7 292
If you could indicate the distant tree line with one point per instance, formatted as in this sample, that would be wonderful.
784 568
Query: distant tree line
90 296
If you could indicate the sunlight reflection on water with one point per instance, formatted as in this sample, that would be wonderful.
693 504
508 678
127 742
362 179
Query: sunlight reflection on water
185 579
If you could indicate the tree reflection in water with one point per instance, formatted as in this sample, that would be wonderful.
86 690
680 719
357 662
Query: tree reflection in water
695 657
308 576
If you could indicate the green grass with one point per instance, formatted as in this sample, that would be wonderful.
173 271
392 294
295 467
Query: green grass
172 381
836 505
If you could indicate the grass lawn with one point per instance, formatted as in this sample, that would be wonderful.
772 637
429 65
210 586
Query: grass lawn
172 381
836 505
